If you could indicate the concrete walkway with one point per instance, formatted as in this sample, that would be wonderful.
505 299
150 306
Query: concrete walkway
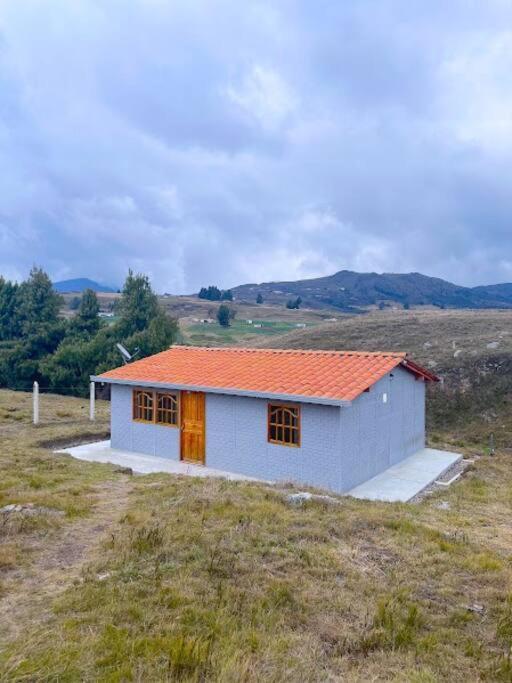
403 481
100 451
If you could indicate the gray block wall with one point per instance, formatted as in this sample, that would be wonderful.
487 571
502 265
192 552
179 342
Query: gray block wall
340 447
236 440
375 434
128 435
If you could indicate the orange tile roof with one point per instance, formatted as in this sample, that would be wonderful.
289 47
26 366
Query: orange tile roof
318 375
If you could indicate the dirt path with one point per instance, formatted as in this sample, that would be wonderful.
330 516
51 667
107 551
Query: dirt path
32 590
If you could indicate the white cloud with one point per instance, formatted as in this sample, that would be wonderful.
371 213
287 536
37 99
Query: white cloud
478 92
265 96
288 142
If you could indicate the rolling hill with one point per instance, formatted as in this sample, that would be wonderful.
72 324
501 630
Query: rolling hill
471 350
79 285
350 291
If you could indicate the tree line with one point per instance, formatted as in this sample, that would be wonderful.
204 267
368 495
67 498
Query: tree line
37 343
213 293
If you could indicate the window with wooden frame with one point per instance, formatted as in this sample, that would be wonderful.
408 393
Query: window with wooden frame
167 409
143 406
155 407
284 424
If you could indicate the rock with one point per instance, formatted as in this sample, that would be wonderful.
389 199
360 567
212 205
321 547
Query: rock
303 496
298 498
8 508
475 607
123 470
493 345
102 577
443 505
29 509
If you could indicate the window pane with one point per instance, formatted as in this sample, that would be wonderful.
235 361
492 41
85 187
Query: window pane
284 424
167 409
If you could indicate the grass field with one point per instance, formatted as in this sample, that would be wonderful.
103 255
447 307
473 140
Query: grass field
239 332
166 578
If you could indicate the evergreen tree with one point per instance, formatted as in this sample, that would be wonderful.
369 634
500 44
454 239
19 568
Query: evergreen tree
37 302
138 305
212 293
90 348
227 295
259 298
294 303
224 315
86 322
9 320
38 330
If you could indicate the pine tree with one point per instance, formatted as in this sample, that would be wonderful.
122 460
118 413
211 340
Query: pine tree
224 315
138 305
86 322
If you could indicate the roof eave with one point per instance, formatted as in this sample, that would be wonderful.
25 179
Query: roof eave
229 391
419 371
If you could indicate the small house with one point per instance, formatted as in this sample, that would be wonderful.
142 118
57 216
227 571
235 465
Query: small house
331 419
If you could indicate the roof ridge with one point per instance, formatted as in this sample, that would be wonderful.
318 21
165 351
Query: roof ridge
253 349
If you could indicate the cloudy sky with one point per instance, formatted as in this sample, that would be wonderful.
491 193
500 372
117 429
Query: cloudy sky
220 141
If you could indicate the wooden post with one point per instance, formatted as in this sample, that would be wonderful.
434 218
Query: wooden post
92 397
35 403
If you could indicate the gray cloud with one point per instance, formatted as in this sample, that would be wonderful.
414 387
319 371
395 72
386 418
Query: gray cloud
231 142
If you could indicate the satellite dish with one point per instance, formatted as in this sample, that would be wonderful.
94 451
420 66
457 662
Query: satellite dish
127 356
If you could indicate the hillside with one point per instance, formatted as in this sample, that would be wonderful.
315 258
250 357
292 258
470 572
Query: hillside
351 291
150 578
79 285
470 350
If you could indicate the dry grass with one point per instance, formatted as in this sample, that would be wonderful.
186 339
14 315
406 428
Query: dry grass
41 552
433 337
470 350
211 580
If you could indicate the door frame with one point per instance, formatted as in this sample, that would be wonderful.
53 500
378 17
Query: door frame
182 458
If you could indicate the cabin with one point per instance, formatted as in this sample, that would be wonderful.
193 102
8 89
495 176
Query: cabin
331 419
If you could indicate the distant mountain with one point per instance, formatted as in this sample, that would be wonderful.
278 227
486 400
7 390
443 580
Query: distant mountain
350 291
504 290
79 285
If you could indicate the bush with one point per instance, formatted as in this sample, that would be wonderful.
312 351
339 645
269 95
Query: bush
294 303
224 315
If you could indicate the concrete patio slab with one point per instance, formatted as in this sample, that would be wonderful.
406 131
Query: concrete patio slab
403 481
100 451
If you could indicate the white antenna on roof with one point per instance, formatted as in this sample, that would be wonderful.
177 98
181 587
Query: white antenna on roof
127 356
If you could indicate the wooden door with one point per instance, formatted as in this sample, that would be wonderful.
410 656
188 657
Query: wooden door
192 427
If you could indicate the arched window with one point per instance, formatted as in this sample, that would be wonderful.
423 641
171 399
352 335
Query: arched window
143 406
167 409
284 424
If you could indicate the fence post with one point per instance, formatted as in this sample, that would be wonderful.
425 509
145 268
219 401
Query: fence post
92 398
35 403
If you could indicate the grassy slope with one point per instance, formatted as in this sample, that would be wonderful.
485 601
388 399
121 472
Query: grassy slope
212 580
470 350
